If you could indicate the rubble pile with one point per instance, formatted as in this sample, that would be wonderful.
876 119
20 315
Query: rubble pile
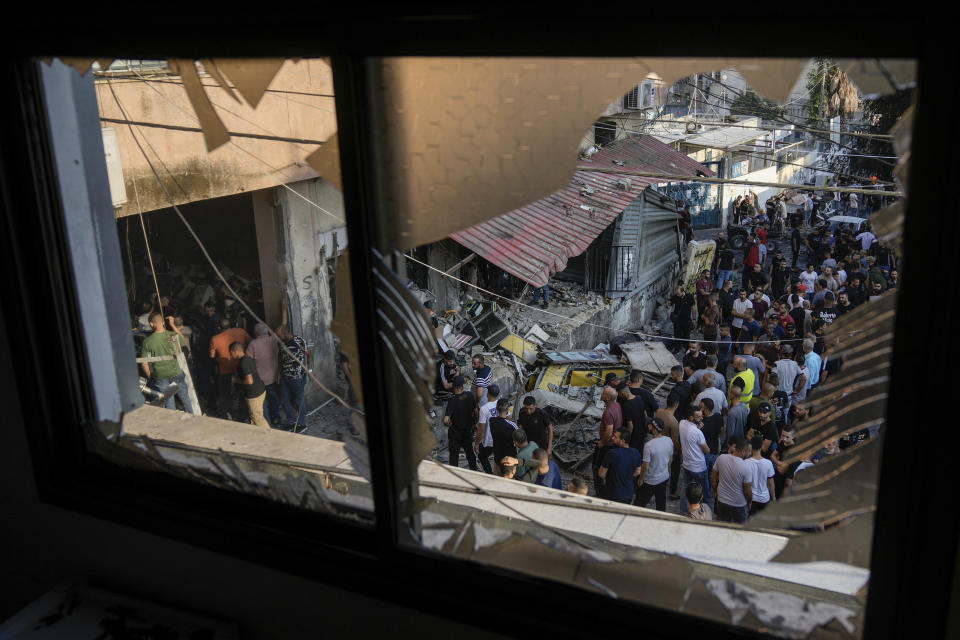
519 345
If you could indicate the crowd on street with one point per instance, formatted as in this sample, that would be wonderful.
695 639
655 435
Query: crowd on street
258 378
751 344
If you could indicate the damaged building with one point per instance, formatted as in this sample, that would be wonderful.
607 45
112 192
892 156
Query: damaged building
608 244
272 225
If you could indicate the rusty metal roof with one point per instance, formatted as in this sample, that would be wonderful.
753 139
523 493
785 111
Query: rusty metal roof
535 241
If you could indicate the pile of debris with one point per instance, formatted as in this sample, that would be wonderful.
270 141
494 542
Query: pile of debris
567 384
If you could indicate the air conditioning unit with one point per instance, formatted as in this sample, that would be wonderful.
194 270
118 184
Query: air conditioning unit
632 99
624 184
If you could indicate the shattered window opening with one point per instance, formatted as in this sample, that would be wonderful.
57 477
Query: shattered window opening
528 294
232 240
534 339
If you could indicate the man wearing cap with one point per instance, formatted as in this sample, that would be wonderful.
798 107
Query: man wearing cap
611 380
484 443
655 470
732 483
461 420
620 468
447 370
766 429
743 378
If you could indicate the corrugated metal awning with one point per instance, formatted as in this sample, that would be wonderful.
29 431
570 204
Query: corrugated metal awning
536 241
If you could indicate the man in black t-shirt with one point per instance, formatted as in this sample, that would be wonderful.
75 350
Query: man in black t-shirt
684 391
649 400
725 298
501 431
447 370
694 359
796 244
724 263
712 425
249 383
536 423
766 429
461 418
682 303
634 416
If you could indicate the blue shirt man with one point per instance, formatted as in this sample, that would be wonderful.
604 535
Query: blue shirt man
620 468
549 473
813 363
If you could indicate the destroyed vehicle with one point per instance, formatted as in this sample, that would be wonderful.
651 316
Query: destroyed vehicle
579 369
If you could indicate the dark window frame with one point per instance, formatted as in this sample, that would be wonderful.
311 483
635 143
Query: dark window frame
44 329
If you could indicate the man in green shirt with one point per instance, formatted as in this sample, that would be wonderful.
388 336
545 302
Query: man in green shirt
527 468
164 373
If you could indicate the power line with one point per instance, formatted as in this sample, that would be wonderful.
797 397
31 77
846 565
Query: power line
568 319
234 146
173 127
784 185
213 264
215 86
783 119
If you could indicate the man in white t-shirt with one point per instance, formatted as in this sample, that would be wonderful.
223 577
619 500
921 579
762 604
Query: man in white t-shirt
731 480
761 474
655 470
854 205
740 306
809 277
487 410
693 446
788 372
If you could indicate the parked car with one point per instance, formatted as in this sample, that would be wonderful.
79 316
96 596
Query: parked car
835 221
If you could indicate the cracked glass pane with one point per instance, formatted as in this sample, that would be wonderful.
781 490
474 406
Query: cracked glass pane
229 222
661 294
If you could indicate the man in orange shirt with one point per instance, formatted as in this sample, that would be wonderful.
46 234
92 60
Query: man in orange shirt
228 405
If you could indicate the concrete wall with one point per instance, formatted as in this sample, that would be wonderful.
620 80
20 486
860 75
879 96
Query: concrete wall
630 313
267 217
443 255
302 269
231 168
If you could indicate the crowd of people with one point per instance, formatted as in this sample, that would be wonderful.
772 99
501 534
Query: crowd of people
717 442
236 375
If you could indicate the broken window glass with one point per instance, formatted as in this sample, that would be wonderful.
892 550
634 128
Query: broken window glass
577 258
230 302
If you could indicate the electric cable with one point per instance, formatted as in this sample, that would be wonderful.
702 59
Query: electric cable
216 270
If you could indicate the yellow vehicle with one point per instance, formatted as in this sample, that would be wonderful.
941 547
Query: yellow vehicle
575 368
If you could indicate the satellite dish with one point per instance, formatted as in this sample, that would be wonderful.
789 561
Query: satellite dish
691 127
